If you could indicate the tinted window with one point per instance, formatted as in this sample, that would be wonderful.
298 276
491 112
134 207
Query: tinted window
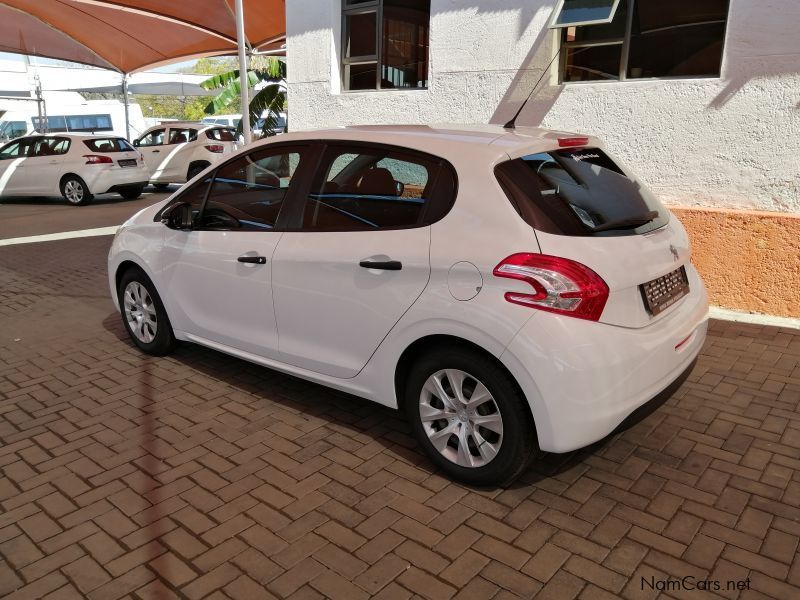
12 129
194 196
154 138
385 44
583 11
248 193
16 149
54 124
181 136
680 38
108 145
89 123
49 146
220 135
369 189
579 192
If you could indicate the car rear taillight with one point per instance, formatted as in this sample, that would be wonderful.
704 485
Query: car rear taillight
572 142
218 148
560 285
97 159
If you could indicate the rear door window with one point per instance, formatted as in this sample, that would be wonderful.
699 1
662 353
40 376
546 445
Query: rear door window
579 192
371 188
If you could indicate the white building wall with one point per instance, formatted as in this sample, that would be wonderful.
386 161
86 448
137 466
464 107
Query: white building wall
731 142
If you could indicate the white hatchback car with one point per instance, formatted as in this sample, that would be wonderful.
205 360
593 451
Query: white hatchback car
72 165
507 289
175 152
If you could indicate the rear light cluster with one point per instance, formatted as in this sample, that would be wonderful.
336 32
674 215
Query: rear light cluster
560 285
97 159
217 148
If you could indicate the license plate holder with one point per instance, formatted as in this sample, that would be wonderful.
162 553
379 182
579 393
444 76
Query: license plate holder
662 292
127 162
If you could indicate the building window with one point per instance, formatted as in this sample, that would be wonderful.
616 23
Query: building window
617 40
385 44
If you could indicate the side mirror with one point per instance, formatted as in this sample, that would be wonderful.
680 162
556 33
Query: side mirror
178 216
136 143
400 187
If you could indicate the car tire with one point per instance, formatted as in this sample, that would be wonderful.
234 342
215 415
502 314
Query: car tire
143 314
161 186
131 193
195 169
490 443
75 191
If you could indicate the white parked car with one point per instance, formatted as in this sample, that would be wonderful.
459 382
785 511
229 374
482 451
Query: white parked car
74 166
507 289
175 152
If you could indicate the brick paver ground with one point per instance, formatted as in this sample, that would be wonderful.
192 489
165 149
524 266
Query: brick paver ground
201 475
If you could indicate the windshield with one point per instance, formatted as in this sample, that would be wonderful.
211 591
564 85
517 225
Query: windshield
580 192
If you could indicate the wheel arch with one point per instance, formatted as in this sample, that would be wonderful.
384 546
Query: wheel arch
429 343
203 164
71 174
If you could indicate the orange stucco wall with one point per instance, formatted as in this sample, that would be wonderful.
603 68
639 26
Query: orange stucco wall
749 260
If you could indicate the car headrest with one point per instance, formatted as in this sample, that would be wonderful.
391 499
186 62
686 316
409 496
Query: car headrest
377 182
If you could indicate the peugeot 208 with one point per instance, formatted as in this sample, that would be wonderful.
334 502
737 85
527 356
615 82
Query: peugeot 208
508 289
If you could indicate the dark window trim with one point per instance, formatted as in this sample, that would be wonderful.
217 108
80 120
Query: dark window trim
625 42
436 205
375 6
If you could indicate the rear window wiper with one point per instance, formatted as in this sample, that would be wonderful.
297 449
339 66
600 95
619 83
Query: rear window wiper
629 222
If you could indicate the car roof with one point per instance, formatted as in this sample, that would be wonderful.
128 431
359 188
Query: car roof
448 140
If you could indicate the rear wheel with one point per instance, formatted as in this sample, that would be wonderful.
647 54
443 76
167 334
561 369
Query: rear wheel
143 314
469 416
75 190
131 193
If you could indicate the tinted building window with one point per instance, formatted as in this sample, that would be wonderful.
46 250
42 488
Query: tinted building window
645 39
248 193
385 44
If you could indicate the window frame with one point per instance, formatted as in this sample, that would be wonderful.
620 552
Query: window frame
625 43
437 205
560 6
362 8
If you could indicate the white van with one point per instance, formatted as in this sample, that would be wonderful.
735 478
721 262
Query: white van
83 116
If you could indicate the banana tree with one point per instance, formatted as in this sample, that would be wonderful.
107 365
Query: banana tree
269 99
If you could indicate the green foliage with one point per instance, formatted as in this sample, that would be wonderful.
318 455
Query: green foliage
271 98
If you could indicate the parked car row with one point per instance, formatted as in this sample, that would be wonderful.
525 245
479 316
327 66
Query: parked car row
80 166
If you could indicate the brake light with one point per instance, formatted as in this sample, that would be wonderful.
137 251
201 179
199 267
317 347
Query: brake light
97 159
560 285
572 142
218 148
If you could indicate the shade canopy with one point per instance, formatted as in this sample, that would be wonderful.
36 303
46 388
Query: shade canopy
133 35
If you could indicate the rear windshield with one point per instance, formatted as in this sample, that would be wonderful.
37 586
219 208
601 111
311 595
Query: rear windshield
579 192
108 145
221 135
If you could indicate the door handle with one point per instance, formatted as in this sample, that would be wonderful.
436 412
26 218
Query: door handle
254 260
385 265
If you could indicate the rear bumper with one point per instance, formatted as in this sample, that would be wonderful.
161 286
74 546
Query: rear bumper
584 379
110 180
122 186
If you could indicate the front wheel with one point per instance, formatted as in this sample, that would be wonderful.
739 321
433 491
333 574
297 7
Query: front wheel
143 314
469 416
75 191
131 193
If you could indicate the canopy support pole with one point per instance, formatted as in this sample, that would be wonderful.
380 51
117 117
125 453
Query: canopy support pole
125 100
243 80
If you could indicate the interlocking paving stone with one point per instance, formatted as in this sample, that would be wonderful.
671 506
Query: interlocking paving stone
199 475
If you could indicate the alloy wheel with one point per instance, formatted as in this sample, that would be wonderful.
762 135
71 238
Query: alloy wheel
140 312
461 418
73 191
